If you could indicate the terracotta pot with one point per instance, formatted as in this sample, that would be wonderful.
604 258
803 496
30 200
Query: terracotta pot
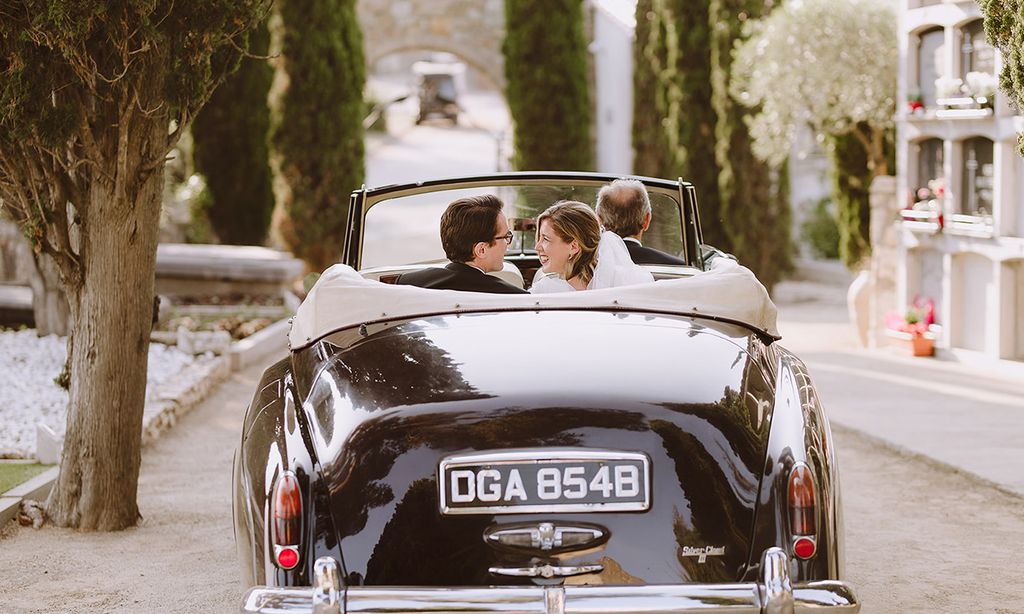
923 346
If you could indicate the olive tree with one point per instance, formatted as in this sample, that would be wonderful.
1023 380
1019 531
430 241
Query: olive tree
831 65
1004 28
93 95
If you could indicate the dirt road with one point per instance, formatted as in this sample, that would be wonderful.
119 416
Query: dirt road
181 556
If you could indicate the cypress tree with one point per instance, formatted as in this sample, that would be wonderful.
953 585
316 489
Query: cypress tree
754 199
230 149
547 90
673 118
851 182
316 124
87 93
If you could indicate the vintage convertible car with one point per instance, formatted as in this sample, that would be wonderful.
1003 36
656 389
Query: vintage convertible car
648 448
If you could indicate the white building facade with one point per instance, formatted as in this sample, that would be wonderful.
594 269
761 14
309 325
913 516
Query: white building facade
962 228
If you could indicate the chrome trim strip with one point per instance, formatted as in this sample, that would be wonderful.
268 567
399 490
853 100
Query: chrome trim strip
538 456
545 571
543 536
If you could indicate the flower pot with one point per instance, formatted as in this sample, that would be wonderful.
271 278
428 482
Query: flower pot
922 346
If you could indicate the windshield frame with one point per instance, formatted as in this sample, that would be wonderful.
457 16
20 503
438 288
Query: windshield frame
682 192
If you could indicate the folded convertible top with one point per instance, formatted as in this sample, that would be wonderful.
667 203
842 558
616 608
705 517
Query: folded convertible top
343 298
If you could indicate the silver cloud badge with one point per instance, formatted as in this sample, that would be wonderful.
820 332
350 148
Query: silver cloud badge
703 552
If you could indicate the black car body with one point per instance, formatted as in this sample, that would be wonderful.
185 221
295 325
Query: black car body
538 457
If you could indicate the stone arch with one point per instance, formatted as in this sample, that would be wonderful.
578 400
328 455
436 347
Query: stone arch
473 30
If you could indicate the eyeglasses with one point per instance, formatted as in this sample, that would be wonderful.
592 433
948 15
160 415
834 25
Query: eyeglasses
507 236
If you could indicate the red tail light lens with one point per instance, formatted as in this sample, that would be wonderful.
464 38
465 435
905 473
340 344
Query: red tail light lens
802 501
287 518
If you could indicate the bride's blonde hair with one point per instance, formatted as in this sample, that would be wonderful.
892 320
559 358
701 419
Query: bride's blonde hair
573 220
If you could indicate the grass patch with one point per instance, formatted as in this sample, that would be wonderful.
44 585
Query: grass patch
12 474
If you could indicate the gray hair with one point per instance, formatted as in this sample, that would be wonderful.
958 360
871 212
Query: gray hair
622 206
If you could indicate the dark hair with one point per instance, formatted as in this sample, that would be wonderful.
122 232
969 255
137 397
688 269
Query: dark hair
573 220
622 206
468 221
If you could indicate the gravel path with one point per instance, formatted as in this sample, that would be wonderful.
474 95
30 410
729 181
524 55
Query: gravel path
28 366
180 558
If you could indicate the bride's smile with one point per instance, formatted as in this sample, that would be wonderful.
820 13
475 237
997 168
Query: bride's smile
554 251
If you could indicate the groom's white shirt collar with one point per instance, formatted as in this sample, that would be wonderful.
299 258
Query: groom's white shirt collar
634 240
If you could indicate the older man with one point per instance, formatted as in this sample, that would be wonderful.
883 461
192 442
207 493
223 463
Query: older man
625 209
474 235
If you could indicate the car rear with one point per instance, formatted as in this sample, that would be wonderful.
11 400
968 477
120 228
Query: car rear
549 462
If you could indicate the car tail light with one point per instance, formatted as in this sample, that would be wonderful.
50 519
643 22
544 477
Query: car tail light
803 511
287 516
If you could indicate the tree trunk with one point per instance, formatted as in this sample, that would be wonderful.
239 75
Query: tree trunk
112 310
49 305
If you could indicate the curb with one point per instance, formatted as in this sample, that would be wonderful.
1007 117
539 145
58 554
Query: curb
924 458
256 347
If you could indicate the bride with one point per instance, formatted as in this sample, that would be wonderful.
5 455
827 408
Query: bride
576 255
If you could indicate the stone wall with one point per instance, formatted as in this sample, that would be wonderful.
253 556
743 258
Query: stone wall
473 30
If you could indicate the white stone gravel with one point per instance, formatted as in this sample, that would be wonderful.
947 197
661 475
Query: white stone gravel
28 395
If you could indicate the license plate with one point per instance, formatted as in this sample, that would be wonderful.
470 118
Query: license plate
546 480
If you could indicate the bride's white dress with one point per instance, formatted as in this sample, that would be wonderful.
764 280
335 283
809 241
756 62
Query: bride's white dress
614 268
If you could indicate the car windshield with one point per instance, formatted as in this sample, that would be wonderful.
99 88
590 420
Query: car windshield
406 229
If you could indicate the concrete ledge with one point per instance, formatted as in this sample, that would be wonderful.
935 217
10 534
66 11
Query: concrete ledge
182 395
37 488
260 346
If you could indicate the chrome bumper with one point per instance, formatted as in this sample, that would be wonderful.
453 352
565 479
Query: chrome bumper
773 595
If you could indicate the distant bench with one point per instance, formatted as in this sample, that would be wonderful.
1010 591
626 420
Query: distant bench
192 270
187 269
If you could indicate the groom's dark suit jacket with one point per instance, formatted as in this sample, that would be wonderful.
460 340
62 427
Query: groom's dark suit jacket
458 276
649 255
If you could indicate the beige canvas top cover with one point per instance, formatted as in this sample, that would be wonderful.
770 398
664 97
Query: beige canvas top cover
343 298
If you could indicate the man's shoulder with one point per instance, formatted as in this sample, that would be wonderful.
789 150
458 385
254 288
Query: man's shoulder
414 278
457 276
648 255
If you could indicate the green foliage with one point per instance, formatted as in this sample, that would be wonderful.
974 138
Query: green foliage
848 79
851 183
232 153
13 474
199 229
316 124
821 230
1004 28
548 96
53 52
754 197
673 119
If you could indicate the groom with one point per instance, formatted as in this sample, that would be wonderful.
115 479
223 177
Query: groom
475 235
625 209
